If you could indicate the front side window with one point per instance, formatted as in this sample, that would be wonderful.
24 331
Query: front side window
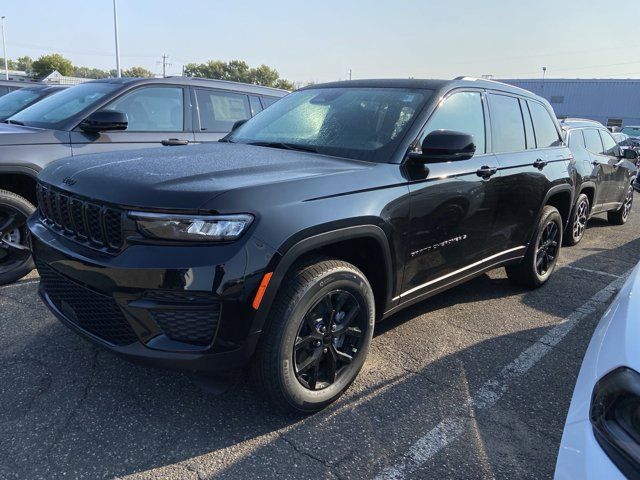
56 109
592 140
544 126
152 109
507 127
576 139
461 112
220 110
610 146
351 122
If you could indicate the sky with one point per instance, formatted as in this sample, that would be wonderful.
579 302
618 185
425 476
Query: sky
321 41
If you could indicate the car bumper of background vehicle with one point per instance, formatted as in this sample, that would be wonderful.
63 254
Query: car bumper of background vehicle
582 457
148 309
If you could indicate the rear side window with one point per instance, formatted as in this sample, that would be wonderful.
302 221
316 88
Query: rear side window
220 110
256 106
507 127
461 112
576 139
610 146
545 127
592 140
152 109
268 101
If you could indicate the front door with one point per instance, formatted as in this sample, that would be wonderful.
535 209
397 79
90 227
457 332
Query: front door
618 181
453 208
157 116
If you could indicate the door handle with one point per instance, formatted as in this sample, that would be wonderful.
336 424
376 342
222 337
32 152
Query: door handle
486 172
171 142
540 164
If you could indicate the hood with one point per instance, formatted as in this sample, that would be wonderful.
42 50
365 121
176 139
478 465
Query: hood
21 135
185 177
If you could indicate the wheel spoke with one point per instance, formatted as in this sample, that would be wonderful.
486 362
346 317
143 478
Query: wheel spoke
305 342
332 364
311 361
10 223
17 250
342 356
330 311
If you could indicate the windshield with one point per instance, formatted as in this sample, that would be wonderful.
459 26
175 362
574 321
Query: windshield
359 123
631 131
55 109
18 99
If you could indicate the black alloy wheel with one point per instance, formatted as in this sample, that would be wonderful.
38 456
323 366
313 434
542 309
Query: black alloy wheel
15 252
620 216
628 204
329 338
548 247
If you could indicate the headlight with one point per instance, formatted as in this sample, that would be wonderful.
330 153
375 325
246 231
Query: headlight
193 228
615 416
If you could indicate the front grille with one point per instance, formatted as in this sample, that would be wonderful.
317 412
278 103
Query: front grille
96 313
98 226
190 326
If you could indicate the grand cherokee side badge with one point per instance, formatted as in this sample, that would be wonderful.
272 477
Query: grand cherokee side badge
69 181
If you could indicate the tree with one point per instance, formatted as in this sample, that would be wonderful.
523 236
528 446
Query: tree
11 65
137 72
46 64
238 71
87 72
25 63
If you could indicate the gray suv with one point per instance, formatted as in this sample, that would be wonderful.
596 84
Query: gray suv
107 115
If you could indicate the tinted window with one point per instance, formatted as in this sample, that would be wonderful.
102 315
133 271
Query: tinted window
4 90
545 127
55 109
152 109
610 145
220 110
351 122
592 140
507 128
461 112
268 101
631 131
256 106
576 139
528 125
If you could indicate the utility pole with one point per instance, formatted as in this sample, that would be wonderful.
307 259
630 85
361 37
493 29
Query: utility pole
115 28
4 47
165 64
350 74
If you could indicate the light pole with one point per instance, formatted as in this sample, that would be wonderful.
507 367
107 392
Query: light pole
115 28
4 47
544 73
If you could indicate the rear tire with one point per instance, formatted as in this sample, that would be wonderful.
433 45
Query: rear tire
542 255
620 217
15 253
578 221
302 363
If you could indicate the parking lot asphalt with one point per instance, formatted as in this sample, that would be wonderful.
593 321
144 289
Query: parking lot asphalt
473 383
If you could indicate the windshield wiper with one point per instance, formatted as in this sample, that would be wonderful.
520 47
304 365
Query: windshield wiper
14 122
285 146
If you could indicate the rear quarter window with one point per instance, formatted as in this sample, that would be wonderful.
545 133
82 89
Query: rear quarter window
544 126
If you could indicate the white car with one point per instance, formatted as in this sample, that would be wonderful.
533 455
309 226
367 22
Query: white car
601 438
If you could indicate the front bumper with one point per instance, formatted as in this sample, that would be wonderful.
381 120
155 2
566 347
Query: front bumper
186 307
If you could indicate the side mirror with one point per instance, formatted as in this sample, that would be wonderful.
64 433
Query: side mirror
445 146
630 154
238 124
104 121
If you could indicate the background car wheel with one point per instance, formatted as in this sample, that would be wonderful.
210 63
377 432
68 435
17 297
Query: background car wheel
15 252
578 221
542 255
317 336
620 217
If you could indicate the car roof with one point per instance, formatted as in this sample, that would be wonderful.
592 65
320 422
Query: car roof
46 87
424 84
570 123
199 82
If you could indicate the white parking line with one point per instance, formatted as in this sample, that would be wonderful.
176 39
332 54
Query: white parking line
452 427
596 272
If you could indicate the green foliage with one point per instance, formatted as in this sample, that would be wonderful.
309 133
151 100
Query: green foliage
46 64
137 72
86 72
238 71
25 64
11 65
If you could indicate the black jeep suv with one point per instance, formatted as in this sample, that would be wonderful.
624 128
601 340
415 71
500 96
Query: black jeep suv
604 176
286 242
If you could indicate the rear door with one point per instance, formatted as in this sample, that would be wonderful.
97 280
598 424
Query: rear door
530 154
602 170
217 111
453 209
618 180
157 115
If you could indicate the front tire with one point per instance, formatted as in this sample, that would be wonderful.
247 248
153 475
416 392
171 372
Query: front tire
578 221
15 252
317 336
542 255
620 217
